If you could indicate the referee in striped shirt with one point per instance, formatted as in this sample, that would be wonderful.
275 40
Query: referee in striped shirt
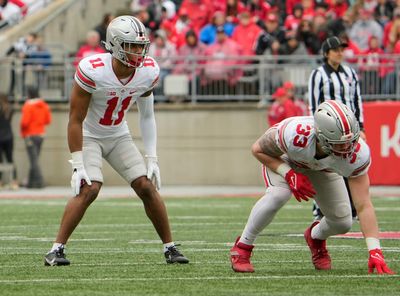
335 81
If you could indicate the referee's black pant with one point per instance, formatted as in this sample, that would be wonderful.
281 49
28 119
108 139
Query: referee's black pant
353 209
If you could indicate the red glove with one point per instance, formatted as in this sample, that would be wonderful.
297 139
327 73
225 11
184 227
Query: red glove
300 185
376 260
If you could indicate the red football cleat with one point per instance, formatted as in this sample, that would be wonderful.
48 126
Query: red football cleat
240 257
319 253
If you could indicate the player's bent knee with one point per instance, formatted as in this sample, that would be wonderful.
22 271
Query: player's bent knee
143 187
89 193
342 225
279 195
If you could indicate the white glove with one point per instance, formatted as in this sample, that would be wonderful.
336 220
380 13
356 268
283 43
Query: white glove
153 171
78 172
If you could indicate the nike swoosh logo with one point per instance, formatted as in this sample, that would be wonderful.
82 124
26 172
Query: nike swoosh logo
378 257
51 262
293 179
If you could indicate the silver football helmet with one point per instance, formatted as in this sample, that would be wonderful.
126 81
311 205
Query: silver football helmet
336 127
127 41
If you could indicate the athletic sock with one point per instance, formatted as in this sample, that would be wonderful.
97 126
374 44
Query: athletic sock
167 245
56 246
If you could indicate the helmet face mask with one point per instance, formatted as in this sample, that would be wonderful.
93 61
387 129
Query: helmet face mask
341 148
337 128
127 41
134 53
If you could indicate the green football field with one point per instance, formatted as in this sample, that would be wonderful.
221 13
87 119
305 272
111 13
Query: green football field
115 251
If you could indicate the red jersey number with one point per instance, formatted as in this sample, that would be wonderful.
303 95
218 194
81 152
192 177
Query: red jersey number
354 155
148 62
96 63
112 104
301 139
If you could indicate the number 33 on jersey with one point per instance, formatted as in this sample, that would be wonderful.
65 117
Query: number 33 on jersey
297 139
111 97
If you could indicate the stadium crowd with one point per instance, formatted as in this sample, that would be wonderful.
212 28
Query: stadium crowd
372 26
183 31
270 27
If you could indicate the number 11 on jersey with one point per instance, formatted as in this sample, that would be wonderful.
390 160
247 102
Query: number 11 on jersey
108 114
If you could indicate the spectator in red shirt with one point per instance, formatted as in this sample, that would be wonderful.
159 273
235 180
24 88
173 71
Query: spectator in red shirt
321 8
390 29
337 8
218 5
292 21
219 66
182 23
170 33
91 47
233 9
301 107
320 24
281 108
370 66
200 12
177 28
258 9
351 52
246 34
308 8
388 65
187 55
290 4
396 49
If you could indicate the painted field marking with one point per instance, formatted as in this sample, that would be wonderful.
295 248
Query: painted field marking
211 262
300 248
359 235
199 278
382 235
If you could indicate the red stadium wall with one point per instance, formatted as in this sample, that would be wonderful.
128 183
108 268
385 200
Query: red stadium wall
382 126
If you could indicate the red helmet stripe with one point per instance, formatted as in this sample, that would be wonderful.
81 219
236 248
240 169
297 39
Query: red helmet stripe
342 117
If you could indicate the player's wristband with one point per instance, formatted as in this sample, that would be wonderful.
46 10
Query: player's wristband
283 169
77 157
151 157
372 243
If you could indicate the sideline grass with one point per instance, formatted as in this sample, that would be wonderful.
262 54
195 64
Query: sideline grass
115 251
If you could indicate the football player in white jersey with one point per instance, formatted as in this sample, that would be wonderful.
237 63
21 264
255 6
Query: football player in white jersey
308 157
106 85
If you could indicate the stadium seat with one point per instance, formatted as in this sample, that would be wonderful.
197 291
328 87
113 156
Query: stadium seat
176 85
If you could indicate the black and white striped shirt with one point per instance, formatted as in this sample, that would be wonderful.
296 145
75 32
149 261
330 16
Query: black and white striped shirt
342 85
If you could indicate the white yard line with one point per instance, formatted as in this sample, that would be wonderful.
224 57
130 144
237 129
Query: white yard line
6 251
49 239
171 191
197 278
211 262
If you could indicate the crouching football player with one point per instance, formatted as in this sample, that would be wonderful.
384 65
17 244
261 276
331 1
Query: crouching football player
308 157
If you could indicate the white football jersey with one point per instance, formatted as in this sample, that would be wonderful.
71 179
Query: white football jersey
111 98
296 137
